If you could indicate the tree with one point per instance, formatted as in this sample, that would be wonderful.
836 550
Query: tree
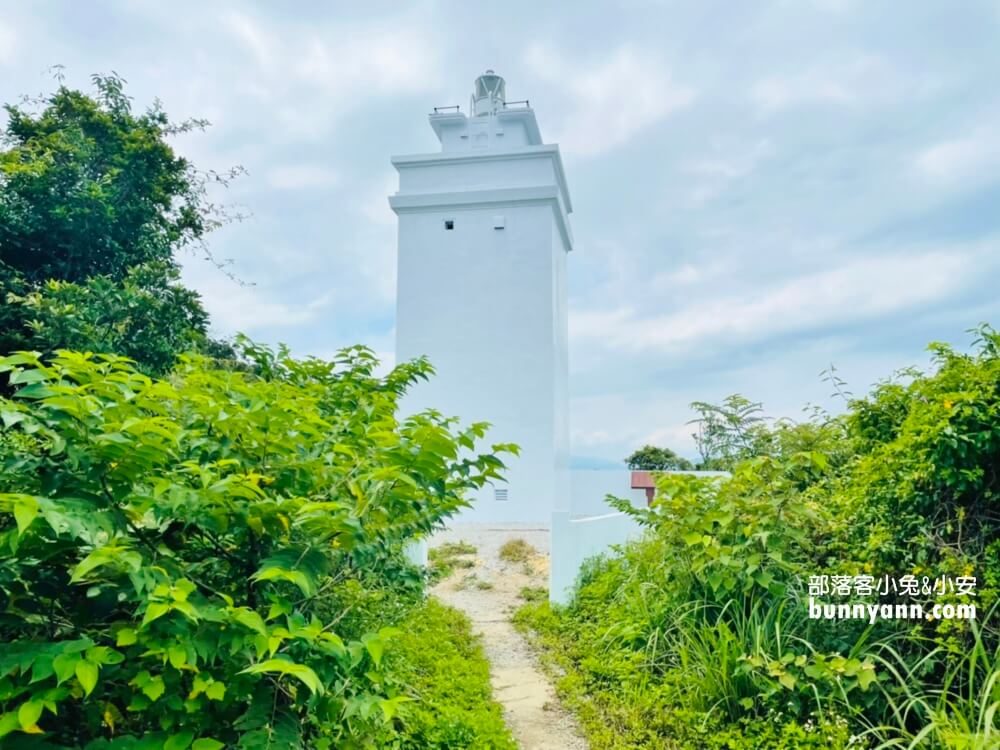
147 316
93 197
729 432
651 458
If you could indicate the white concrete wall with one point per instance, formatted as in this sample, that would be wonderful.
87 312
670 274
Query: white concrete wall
588 526
478 303
576 539
416 552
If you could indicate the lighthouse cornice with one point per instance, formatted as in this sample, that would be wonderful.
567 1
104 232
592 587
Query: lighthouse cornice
545 151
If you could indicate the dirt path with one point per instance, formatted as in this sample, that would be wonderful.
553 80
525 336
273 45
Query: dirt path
488 592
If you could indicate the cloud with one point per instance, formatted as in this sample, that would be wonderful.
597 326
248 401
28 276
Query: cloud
865 78
302 177
720 250
607 104
244 308
8 44
348 59
714 173
336 68
373 203
854 292
968 158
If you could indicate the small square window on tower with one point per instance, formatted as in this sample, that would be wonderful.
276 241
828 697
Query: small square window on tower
449 224
498 222
500 495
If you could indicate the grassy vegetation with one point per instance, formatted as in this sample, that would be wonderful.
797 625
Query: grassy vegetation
533 593
624 702
472 581
444 559
698 635
445 670
516 551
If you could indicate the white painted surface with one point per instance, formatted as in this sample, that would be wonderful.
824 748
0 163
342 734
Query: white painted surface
416 552
576 539
590 487
590 526
487 305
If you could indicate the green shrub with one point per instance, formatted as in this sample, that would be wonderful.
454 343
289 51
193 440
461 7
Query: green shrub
176 556
697 635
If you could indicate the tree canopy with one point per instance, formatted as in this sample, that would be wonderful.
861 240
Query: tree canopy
651 458
94 206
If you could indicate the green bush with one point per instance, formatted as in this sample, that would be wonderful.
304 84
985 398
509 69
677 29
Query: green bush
704 621
177 556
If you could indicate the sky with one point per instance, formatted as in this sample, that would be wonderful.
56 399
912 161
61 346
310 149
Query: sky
760 189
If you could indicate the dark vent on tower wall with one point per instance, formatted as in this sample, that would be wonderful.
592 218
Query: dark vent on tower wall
500 495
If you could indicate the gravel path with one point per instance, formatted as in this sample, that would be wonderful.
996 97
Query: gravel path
488 594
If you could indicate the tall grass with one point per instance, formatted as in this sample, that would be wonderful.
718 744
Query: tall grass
959 710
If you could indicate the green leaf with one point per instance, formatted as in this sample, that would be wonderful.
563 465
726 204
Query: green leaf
375 647
86 673
177 655
29 713
179 741
11 418
127 637
154 688
8 723
302 567
282 666
390 706
866 676
64 666
154 611
206 744
28 376
25 512
250 619
95 559
692 538
216 691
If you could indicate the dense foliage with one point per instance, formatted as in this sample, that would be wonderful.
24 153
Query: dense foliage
94 205
180 558
699 635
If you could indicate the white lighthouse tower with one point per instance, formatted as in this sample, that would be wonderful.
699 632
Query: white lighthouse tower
483 238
